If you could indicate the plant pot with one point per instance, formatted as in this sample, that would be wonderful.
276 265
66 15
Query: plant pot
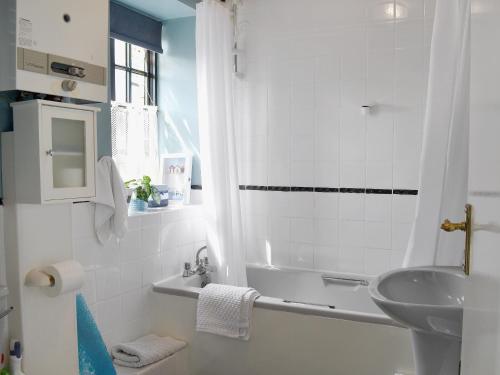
138 205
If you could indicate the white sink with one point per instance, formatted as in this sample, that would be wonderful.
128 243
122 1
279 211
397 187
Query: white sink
429 301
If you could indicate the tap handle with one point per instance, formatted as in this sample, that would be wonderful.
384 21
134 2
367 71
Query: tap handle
187 266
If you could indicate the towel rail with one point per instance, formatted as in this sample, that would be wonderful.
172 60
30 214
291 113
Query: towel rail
349 280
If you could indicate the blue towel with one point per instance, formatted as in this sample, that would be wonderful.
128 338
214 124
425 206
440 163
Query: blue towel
93 357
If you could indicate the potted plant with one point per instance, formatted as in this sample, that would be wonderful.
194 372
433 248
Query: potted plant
143 192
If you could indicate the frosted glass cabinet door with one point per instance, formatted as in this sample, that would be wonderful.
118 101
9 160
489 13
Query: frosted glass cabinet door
68 153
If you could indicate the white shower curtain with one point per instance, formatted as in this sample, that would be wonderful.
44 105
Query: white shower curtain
214 43
444 162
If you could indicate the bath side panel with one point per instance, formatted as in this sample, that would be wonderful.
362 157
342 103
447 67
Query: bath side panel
286 343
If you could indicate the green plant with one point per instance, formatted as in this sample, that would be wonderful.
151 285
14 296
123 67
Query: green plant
143 189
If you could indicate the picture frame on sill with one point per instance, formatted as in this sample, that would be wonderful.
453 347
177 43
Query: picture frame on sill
175 172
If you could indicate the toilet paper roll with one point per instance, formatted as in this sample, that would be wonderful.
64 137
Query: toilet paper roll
68 277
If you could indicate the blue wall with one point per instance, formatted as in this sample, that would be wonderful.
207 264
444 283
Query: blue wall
177 95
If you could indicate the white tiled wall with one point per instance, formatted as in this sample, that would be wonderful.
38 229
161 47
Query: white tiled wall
308 68
119 274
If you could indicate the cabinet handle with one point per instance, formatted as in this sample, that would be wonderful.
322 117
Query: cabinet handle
50 152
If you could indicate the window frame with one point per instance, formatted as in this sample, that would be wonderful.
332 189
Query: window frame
151 73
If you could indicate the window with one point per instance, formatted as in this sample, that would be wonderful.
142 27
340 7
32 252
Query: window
133 74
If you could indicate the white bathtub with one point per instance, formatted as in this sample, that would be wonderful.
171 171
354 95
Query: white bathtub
301 324
333 295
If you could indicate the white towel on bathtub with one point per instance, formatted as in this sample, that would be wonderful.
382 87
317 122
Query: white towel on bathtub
226 310
145 350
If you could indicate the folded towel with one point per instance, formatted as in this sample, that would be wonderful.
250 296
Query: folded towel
226 310
111 210
145 350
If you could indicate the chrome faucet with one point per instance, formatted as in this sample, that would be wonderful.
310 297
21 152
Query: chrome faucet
202 268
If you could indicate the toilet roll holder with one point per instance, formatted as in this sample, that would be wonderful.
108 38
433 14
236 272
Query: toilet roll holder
38 278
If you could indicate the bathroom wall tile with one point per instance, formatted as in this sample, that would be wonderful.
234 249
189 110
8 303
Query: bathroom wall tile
352 135
326 258
353 174
257 225
278 251
132 305
379 175
149 220
351 259
326 232
150 237
397 258
109 315
302 173
92 255
379 137
301 204
302 147
377 261
131 275
108 281
89 288
342 55
256 202
406 175
351 206
409 33
326 174
378 235
279 203
130 245
381 36
400 235
326 205
256 251
302 255
352 233
151 270
302 230
82 215
279 228
326 147
403 208
378 207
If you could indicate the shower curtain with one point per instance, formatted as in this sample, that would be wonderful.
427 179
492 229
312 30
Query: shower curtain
221 199
444 162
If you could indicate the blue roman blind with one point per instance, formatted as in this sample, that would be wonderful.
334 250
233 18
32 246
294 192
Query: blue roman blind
134 27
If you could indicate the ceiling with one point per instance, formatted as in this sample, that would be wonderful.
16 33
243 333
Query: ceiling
162 9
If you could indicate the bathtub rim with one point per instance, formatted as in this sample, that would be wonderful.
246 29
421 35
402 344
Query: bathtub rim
277 304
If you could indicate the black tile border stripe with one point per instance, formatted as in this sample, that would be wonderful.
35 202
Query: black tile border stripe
305 189
326 190
405 192
379 191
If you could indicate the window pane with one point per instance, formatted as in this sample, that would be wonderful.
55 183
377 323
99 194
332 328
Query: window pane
120 86
120 55
138 89
139 58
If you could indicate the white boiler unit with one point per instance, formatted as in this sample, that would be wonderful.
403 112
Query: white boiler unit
55 47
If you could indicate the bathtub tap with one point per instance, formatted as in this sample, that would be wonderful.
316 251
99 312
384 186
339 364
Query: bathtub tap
202 268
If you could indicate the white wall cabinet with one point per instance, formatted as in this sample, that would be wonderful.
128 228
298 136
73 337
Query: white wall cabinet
54 152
